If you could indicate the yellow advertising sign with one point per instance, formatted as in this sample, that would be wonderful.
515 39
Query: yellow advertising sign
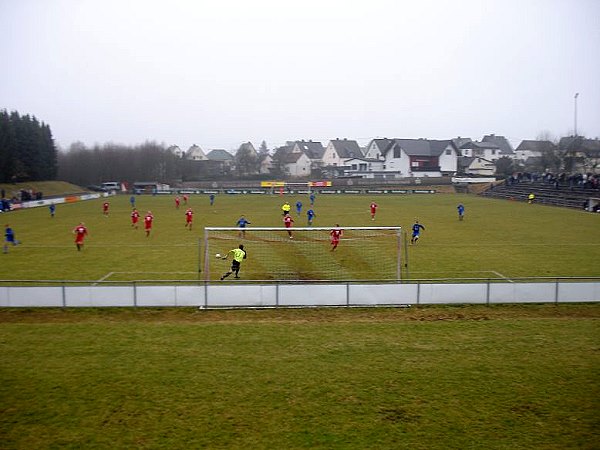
269 184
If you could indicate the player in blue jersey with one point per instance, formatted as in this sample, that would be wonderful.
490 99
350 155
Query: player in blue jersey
312 199
416 231
298 207
241 223
310 215
461 211
9 238
211 197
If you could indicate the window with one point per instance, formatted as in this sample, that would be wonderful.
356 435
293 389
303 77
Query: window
397 152
448 152
353 166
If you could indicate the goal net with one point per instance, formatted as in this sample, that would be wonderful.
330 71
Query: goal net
363 253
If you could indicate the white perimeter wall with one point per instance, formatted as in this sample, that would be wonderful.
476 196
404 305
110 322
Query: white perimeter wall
294 295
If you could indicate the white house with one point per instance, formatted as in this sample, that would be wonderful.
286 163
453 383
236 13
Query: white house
421 157
506 149
485 150
296 164
377 148
532 149
265 163
314 151
195 153
359 166
447 156
476 166
176 151
339 150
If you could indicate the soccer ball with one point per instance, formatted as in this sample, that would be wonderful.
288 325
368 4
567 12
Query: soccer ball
218 255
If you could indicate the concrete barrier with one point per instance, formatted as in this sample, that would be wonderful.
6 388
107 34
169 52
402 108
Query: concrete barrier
228 295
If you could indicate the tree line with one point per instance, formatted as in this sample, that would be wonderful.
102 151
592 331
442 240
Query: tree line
114 162
27 150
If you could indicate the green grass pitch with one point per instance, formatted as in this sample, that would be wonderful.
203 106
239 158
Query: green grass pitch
472 377
497 239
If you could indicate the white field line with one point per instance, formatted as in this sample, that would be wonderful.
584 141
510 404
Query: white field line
108 275
147 246
502 276
154 273
498 274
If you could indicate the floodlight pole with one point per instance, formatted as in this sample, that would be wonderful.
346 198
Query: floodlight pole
575 111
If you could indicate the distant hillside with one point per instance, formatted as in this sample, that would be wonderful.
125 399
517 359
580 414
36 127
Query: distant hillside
47 188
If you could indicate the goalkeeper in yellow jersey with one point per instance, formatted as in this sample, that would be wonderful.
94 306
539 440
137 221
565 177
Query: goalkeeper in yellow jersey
238 254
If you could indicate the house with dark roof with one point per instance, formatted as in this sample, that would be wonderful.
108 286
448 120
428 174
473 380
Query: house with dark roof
339 150
529 149
421 157
220 155
458 142
377 148
221 159
470 165
487 150
313 149
295 164
506 149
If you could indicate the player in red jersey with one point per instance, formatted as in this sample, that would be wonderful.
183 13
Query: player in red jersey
189 217
177 202
185 199
336 235
288 221
373 210
105 207
135 217
148 222
80 232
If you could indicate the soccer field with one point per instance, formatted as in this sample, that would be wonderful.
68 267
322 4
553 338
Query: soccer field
497 239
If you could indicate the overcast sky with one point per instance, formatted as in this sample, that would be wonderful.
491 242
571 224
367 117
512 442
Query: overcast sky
218 73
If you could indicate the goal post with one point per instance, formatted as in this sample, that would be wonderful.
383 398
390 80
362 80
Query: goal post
306 253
